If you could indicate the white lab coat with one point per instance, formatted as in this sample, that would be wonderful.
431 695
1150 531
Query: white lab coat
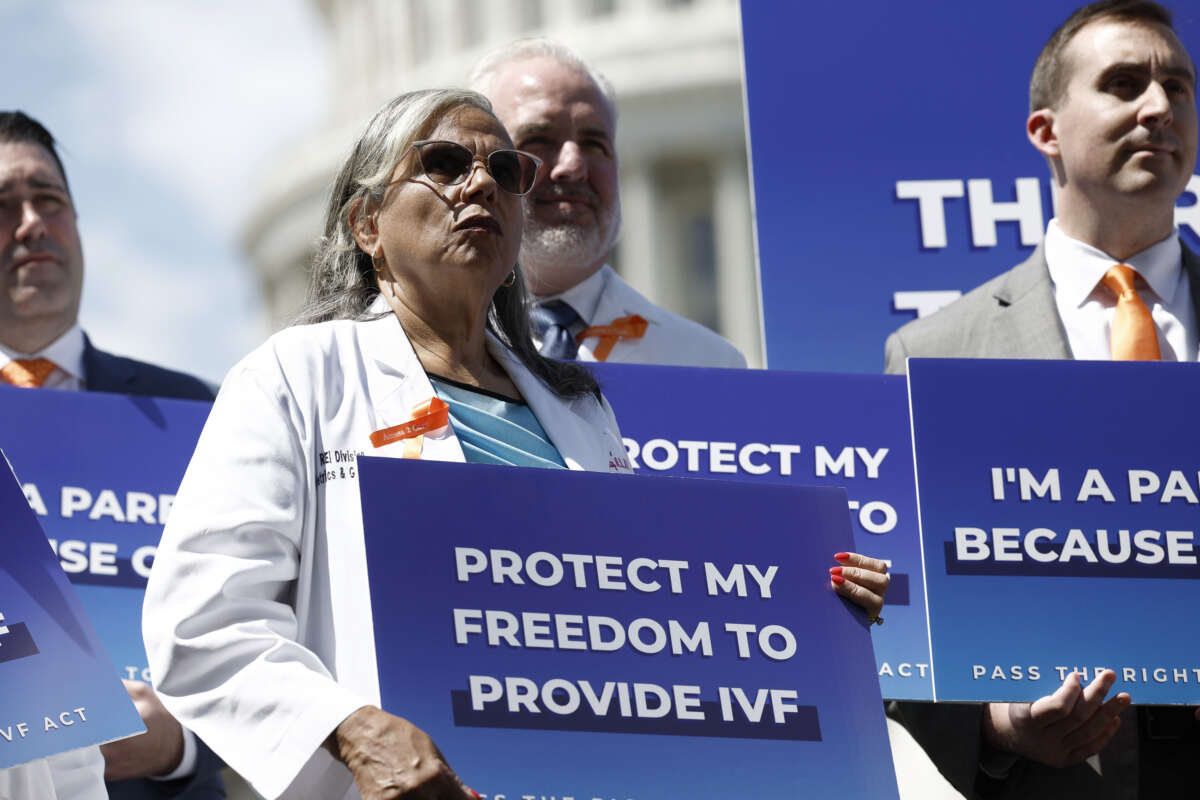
257 615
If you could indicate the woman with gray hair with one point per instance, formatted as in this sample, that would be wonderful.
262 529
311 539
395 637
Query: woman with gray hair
414 342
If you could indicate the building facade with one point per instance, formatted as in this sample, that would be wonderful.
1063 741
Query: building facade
687 235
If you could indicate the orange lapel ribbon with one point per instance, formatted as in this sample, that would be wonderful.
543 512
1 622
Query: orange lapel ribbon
631 327
428 416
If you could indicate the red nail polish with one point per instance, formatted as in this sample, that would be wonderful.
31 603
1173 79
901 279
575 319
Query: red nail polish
837 579
841 556
835 570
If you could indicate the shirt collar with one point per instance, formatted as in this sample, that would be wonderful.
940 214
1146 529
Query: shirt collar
584 296
66 352
1076 268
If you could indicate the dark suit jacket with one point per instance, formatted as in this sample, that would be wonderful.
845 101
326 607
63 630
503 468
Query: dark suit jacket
105 372
1011 316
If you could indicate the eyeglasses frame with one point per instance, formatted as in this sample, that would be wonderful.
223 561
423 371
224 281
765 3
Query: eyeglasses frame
475 157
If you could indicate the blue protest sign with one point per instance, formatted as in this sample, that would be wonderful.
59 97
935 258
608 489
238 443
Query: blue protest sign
588 635
59 689
100 471
799 429
1058 504
891 169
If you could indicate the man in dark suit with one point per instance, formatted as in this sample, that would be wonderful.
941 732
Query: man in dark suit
42 345
1113 110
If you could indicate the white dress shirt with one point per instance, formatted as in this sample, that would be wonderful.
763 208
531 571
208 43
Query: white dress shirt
1086 306
67 354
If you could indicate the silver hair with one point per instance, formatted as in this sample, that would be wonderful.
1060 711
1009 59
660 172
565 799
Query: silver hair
484 72
343 283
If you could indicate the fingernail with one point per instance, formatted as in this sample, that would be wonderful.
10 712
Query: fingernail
838 580
835 570
840 556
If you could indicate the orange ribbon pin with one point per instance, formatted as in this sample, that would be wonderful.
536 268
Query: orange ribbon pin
631 327
428 416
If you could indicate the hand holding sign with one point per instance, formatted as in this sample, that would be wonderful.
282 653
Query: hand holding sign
862 580
158 751
392 758
1060 729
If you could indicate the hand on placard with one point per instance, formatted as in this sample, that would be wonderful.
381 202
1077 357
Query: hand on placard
861 580
391 758
155 752
1060 729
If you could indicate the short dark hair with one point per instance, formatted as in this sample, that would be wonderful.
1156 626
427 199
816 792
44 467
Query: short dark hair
1048 83
17 126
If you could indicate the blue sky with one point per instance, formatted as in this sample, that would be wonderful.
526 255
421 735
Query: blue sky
168 115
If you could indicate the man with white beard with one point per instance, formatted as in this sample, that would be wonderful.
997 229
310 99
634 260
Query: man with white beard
556 107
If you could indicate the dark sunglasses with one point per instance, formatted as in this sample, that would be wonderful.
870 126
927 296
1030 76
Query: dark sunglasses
449 164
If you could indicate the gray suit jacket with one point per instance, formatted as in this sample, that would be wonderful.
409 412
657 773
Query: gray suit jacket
1011 316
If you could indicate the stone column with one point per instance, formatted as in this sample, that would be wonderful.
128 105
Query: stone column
501 19
640 262
558 14
737 281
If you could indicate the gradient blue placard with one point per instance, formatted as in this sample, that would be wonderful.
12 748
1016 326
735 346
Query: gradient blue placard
799 429
994 614
855 109
59 689
101 472
416 515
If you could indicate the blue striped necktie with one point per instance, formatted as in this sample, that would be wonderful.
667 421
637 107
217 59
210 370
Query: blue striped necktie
553 321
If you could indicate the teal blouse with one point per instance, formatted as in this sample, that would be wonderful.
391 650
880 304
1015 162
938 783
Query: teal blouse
494 429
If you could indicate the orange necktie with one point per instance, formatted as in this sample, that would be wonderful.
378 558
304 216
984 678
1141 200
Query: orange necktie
1133 336
28 373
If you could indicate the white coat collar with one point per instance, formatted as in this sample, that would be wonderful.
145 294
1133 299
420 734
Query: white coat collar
576 426
619 299
397 383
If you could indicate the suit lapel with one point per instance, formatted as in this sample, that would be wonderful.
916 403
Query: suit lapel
396 383
1191 266
1025 323
104 373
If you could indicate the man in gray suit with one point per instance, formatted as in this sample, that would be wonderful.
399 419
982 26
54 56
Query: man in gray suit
1113 110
